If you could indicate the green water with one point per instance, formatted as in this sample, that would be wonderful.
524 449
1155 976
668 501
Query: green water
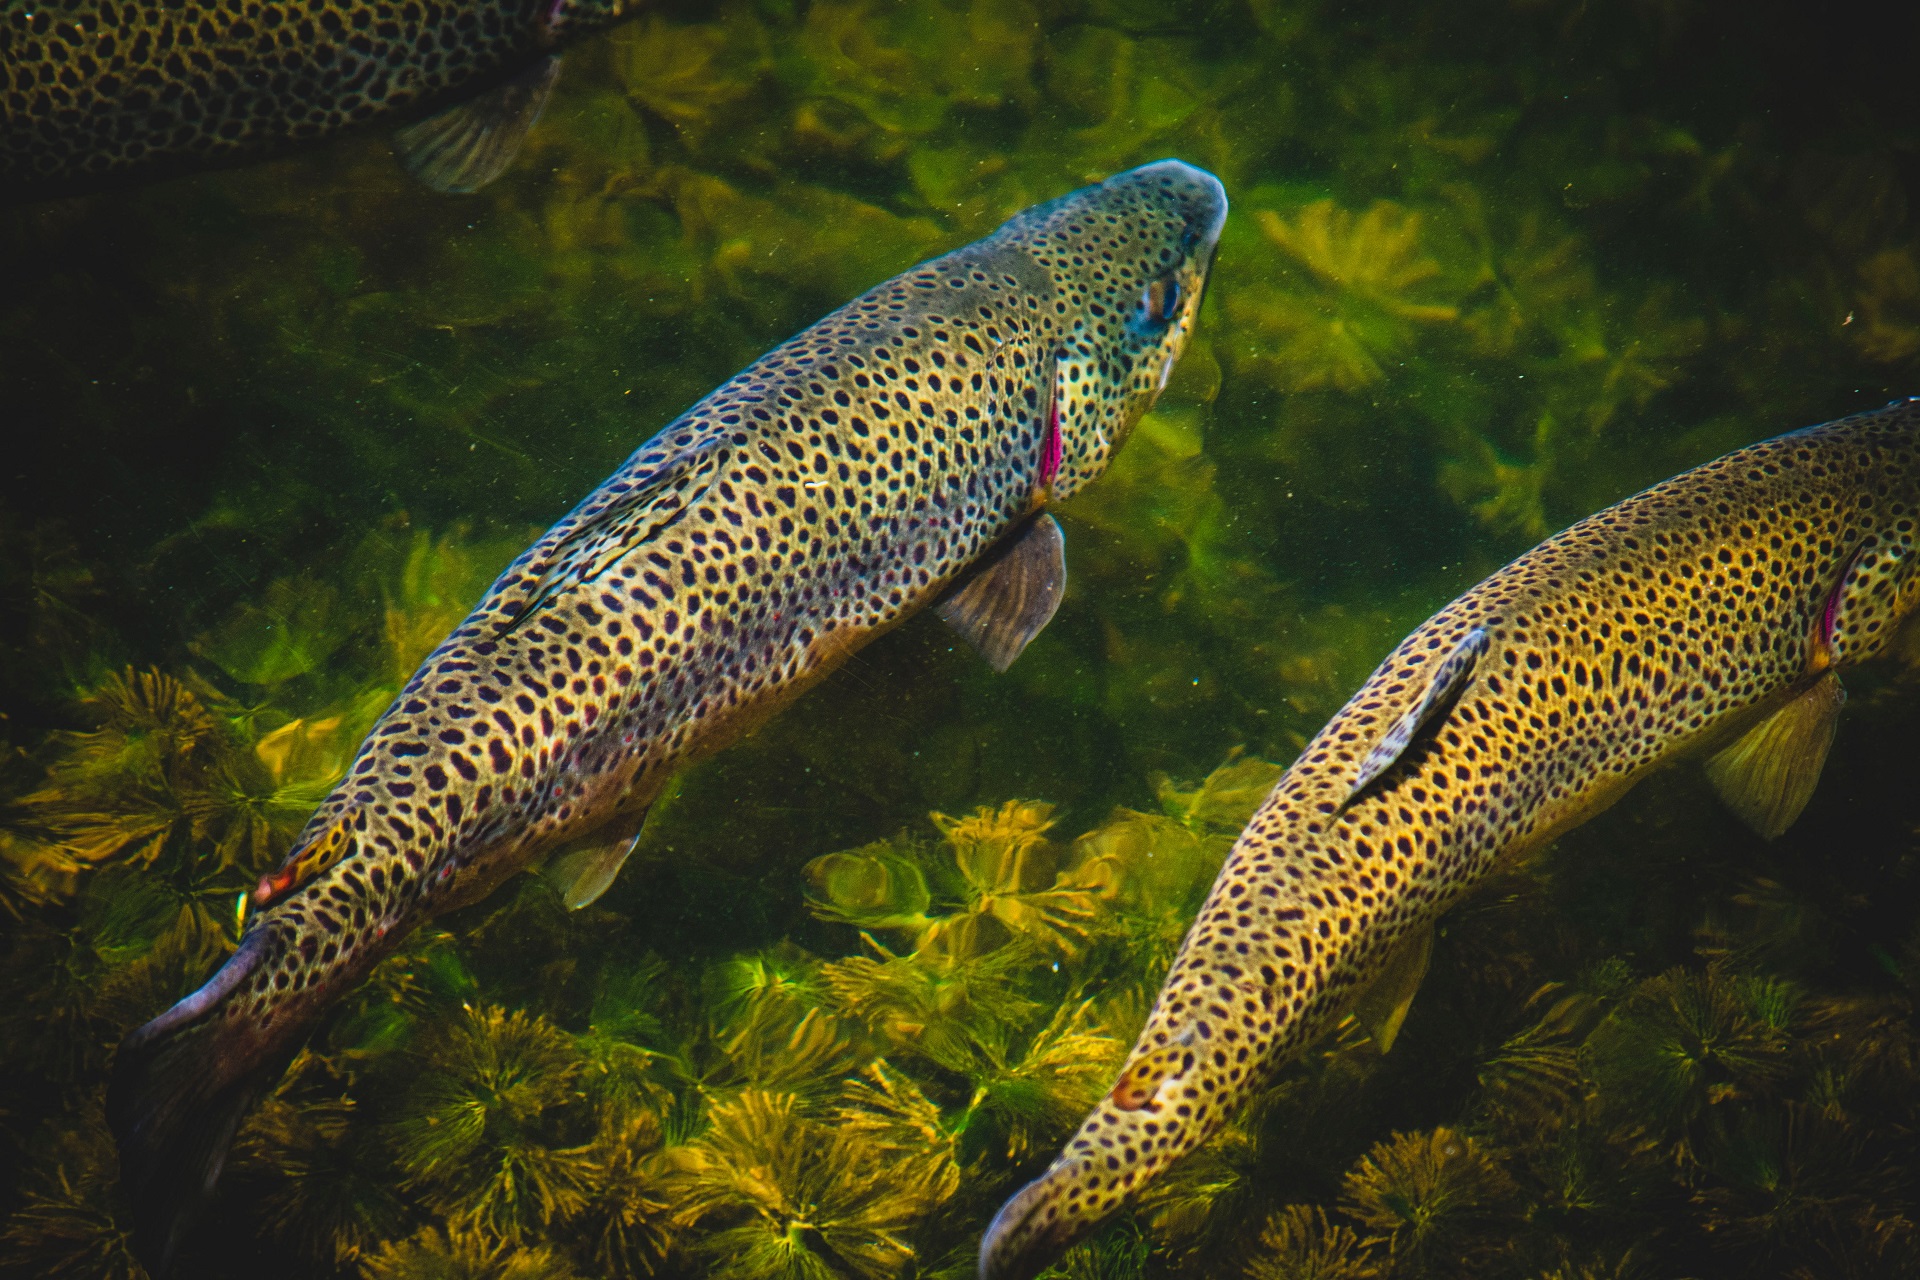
1491 266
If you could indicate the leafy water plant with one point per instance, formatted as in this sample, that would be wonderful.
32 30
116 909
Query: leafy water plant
1438 1198
1300 1242
489 1135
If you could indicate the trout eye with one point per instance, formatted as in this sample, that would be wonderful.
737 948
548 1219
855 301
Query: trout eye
1159 304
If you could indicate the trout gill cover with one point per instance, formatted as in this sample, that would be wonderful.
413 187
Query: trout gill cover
899 453
1709 616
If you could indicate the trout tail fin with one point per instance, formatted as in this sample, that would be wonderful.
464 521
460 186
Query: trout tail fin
180 1086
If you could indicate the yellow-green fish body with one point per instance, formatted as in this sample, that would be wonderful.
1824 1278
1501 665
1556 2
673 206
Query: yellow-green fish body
94 91
1708 616
897 454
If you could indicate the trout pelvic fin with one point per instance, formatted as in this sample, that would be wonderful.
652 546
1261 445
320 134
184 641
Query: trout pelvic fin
463 148
1443 686
1383 1007
584 870
1012 593
1767 776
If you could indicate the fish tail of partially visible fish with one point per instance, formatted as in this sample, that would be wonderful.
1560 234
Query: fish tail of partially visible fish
180 1087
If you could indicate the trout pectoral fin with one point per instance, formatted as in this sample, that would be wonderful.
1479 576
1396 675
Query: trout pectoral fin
468 145
1767 776
1384 1006
1444 684
582 871
1011 594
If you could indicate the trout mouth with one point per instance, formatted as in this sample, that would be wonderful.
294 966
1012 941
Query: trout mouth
180 1086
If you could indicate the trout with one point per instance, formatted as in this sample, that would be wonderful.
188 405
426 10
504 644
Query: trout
900 453
95 91
1708 617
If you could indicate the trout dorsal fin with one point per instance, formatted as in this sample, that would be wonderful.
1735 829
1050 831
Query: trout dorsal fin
1768 774
1383 1007
463 148
1012 592
1448 678
598 540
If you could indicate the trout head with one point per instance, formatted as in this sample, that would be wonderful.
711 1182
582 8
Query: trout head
1129 261
182 1083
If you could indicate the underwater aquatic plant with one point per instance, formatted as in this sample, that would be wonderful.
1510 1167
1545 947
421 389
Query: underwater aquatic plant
1438 1198
940 1005
1683 1042
63 1223
454 1253
1299 1242
626 1220
780 1194
1010 880
1026 1100
330 1193
484 1134
1361 291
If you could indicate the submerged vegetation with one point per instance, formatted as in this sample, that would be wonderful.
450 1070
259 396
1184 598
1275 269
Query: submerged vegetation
1490 267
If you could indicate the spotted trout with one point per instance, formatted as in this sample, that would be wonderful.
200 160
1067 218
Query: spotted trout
1709 617
93 91
900 453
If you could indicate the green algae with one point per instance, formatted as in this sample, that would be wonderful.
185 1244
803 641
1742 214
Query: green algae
1490 267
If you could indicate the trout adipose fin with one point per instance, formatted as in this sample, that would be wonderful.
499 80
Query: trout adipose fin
462 149
1004 604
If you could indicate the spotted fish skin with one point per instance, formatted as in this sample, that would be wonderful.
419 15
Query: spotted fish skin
97 90
1663 627
824 494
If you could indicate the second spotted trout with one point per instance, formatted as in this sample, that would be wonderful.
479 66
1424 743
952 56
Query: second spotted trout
1709 617
899 454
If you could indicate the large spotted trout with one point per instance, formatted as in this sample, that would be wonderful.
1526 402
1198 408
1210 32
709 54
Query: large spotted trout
1709 617
900 453
97 91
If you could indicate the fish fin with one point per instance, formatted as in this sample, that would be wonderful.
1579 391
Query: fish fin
1383 1007
584 870
1443 685
1142 1080
1011 594
463 148
1767 776
596 540
174 1102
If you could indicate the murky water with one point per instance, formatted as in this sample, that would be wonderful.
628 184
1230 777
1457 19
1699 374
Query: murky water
1490 267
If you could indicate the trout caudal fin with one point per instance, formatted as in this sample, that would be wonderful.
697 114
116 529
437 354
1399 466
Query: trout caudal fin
180 1087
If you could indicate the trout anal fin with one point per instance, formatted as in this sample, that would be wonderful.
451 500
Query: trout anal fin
583 870
1383 1007
1443 686
463 148
1768 774
1011 594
